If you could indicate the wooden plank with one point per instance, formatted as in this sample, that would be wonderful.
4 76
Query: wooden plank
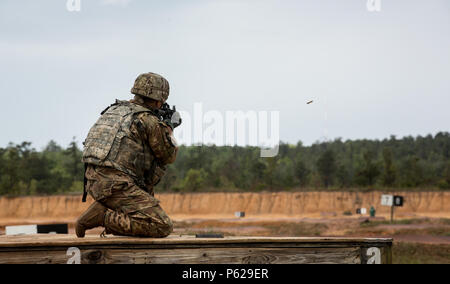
190 256
369 255
63 240
189 250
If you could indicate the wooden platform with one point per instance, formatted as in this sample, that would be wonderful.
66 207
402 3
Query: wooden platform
191 250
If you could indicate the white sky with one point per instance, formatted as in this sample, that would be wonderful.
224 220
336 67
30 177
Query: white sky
370 74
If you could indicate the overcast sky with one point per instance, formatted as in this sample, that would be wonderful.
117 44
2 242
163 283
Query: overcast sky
370 74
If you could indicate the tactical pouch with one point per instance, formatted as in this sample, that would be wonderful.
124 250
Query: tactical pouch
101 189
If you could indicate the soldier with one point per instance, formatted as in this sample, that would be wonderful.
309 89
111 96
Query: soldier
125 154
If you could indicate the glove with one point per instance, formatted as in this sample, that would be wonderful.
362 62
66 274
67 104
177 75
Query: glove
174 121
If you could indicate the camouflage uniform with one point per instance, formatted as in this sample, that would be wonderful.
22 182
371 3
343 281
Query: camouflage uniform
132 211
126 152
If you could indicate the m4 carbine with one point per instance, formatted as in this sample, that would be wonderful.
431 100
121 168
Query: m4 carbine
165 112
169 115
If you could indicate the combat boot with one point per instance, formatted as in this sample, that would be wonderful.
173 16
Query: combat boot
93 217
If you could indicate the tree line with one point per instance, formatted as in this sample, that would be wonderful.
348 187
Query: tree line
409 162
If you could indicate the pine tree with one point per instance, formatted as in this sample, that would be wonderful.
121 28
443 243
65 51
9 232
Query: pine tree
389 174
326 166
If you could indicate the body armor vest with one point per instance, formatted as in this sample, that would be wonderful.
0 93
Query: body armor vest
110 142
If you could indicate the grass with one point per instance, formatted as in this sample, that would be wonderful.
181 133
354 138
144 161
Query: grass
441 221
439 232
440 227
412 253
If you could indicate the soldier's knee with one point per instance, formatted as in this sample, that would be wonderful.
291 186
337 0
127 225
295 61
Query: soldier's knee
157 229
165 229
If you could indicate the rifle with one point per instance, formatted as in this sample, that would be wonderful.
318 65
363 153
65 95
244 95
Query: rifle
166 114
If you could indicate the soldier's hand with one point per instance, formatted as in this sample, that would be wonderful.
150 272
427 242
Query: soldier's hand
174 121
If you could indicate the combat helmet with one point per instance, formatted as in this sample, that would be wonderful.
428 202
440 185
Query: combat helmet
152 86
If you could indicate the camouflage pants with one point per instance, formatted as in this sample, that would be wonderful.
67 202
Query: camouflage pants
134 212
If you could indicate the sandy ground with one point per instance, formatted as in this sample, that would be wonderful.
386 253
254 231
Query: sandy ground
223 205
267 214
422 230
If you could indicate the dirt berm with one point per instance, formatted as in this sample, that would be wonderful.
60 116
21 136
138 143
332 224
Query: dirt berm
66 208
